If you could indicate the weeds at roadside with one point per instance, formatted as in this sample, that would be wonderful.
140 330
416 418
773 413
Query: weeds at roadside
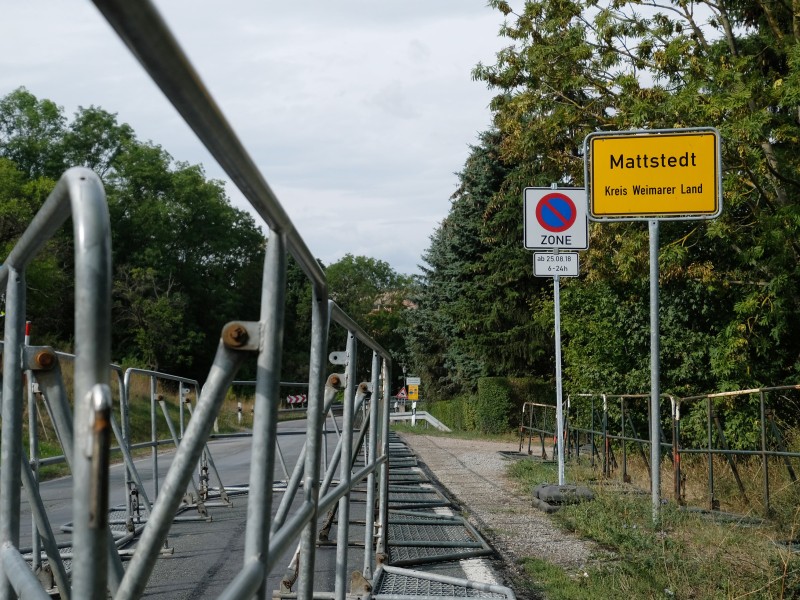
685 556
423 429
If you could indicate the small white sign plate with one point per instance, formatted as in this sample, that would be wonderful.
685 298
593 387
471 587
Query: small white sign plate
549 264
413 381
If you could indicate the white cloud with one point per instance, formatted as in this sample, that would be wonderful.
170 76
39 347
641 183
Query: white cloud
358 113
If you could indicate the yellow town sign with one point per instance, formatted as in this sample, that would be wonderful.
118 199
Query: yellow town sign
660 174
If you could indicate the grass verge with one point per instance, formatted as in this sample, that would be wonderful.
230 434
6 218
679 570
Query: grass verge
685 555
424 428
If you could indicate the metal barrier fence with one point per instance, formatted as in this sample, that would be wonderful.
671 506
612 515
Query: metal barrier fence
85 433
607 427
86 436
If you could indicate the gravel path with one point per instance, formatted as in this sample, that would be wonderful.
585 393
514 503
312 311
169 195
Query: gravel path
474 473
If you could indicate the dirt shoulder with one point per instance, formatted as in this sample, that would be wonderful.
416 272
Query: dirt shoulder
473 471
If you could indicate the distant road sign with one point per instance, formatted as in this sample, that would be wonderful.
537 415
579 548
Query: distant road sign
413 380
667 174
555 219
549 264
413 392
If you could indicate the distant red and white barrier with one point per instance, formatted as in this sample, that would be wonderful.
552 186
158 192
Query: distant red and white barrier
296 400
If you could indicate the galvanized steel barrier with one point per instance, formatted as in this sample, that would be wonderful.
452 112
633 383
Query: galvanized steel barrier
80 194
96 568
608 426
766 406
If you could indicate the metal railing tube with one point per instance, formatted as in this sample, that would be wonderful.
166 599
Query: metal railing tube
52 387
223 370
144 32
361 392
709 417
280 540
606 441
381 549
154 435
19 574
336 458
33 452
723 452
764 460
80 190
223 494
372 444
11 443
45 530
265 419
131 469
125 440
345 469
93 351
317 409
343 319
174 433
676 448
328 501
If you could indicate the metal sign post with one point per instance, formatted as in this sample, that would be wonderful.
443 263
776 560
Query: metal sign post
559 381
655 374
556 219
654 175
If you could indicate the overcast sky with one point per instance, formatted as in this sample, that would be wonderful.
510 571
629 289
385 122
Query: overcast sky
357 112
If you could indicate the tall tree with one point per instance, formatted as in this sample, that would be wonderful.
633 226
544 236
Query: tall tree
574 67
185 260
31 134
477 293
375 296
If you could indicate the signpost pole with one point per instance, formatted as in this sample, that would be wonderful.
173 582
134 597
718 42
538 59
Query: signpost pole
559 393
556 220
655 374
654 175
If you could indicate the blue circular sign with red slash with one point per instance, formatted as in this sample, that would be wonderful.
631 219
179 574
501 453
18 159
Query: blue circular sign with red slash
556 212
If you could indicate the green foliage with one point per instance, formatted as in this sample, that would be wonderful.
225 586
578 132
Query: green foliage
493 405
458 413
31 134
185 261
476 315
368 290
375 296
498 410
297 328
728 303
684 556
154 318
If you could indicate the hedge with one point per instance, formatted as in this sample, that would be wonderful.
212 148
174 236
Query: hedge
497 406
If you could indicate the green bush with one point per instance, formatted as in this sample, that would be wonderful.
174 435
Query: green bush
458 413
494 406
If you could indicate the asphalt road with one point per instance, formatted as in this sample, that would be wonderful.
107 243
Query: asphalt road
202 557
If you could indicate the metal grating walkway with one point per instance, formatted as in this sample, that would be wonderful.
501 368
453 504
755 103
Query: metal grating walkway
423 531
402 584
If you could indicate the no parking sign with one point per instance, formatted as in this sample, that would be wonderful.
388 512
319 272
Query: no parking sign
556 219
